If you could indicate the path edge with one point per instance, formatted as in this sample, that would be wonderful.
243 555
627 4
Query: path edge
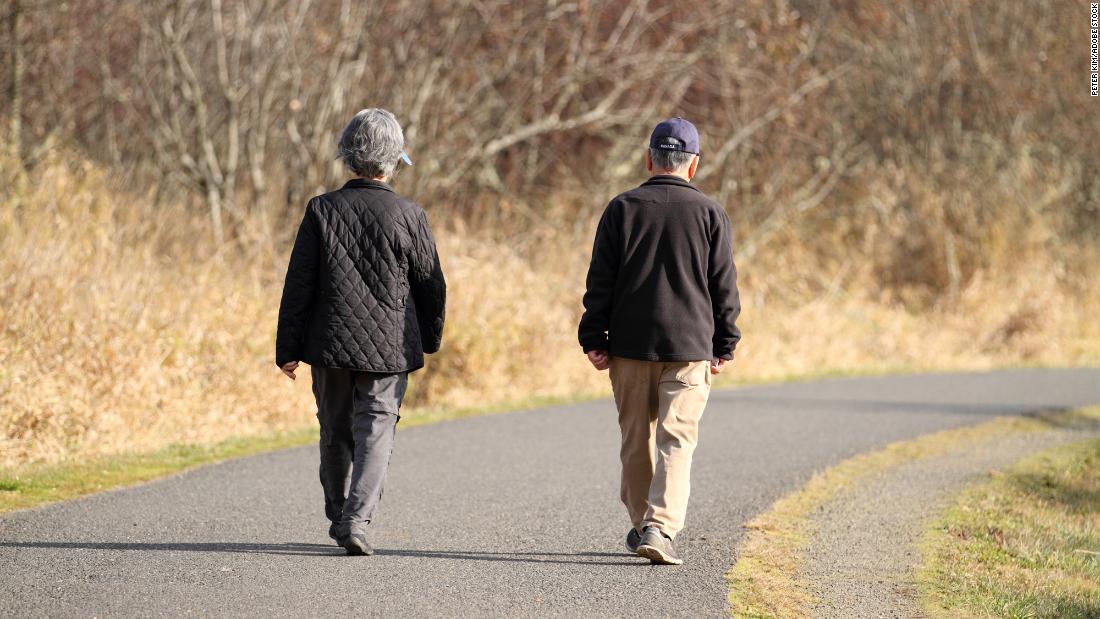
765 580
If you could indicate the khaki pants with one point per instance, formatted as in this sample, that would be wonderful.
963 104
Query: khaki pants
659 404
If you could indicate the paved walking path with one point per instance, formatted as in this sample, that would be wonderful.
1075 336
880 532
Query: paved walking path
505 515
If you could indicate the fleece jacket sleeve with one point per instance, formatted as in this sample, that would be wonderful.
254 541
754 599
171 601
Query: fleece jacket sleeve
722 283
600 287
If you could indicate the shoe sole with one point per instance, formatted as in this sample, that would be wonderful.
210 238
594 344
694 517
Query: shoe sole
656 555
356 549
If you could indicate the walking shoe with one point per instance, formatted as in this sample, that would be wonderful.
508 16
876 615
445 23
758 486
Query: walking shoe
657 547
356 544
632 540
333 535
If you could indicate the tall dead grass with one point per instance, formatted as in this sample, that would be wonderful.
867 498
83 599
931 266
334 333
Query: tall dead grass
123 329
930 264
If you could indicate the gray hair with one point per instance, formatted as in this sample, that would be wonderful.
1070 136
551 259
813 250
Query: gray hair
372 143
669 159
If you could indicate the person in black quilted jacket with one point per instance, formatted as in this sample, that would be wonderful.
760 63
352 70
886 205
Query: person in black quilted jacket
362 303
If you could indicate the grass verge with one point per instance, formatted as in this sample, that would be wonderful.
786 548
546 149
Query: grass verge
765 581
31 486
1025 543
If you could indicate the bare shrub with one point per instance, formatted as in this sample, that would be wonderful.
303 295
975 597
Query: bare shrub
913 185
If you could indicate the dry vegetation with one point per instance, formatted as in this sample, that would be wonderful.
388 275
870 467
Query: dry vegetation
911 183
125 327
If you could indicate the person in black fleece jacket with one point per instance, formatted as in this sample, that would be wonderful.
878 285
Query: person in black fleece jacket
660 312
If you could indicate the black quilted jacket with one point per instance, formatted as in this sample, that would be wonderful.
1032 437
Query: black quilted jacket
364 289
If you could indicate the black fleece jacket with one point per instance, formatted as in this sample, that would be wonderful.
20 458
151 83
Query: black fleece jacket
662 285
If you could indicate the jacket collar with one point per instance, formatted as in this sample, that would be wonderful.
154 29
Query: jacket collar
366 183
668 179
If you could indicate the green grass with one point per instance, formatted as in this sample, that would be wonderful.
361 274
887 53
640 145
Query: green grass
31 486
1024 544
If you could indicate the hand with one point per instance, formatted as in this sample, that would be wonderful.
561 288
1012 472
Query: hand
599 359
716 365
288 369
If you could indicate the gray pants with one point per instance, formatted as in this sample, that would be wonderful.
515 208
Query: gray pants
358 413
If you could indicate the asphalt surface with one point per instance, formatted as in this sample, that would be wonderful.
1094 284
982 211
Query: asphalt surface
504 515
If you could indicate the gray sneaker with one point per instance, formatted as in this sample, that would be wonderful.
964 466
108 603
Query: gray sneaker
356 544
333 535
632 540
657 547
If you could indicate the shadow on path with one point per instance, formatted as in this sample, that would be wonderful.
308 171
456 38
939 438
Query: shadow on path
321 550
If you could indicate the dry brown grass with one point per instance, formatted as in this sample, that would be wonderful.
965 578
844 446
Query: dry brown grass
511 325
927 270
124 330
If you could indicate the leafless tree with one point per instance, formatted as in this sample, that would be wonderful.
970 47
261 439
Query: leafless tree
514 109
17 69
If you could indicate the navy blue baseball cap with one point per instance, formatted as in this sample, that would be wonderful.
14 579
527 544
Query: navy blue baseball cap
675 134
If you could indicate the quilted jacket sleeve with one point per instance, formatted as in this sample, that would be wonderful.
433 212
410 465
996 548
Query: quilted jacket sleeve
429 288
299 290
